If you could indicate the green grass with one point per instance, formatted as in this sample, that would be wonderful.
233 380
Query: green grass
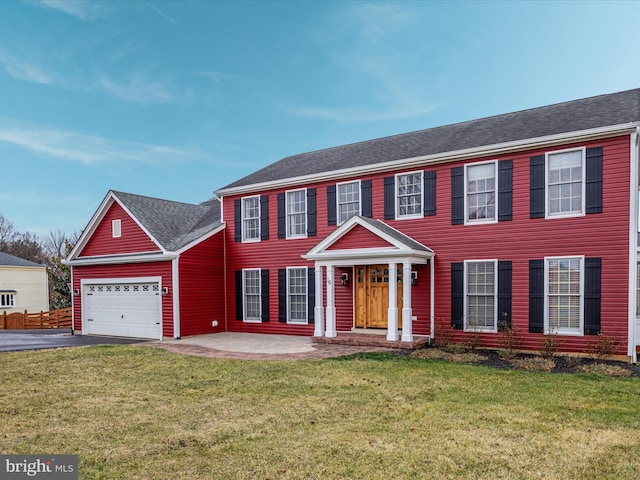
134 412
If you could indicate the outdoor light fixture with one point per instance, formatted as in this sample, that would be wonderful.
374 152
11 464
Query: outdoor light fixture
76 292
414 277
165 290
344 279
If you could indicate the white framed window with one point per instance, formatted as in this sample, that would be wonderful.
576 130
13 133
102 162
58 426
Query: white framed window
564 289
348 199
252 295
297 311
480 192
7 300
565 183
251 219
116 228
296 201
409 195
480 295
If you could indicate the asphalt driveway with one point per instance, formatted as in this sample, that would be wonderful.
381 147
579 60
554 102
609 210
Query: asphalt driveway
14 340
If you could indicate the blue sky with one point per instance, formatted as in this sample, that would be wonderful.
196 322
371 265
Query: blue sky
177 99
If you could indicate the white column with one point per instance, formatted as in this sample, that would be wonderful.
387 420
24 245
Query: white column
392 312
331 304
407 327
318 310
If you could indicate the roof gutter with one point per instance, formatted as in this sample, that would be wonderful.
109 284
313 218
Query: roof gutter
485 150
112 260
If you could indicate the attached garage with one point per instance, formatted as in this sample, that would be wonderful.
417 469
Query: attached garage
122 307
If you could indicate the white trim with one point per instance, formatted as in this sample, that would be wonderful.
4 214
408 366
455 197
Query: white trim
175 281
396 196
568 332
347 182
287 213
481 221
242 220
306 295
120 259
583 201
634 225
444 157
495 297
115 280
244 296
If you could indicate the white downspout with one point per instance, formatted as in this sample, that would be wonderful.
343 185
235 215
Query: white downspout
432 298
633 244
176 296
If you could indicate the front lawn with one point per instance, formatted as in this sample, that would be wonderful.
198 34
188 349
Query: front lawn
134 412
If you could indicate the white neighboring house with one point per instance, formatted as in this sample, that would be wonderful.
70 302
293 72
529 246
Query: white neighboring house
23 285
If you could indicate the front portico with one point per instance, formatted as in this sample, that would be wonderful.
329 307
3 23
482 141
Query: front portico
380 256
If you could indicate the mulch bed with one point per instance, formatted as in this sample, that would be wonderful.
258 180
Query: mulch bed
531 362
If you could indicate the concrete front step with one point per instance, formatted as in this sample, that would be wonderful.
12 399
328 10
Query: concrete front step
369 340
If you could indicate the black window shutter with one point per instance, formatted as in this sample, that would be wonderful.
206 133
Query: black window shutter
311 212
282 295
536 186
239 299
536 296
331 205
505 190
282 217
504 295
389 198
457 196
264 217
365 192
593 202
237 220
264 294
457 295
592 283
311 294
429 179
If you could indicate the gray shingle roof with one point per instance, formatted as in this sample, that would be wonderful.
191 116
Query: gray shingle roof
588 113
7 260
396 235
173 224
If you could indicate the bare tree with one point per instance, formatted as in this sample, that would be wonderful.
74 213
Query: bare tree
7 233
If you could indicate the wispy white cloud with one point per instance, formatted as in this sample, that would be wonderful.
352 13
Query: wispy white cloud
163 15
84 148
138 87
82 9
24 70
378 78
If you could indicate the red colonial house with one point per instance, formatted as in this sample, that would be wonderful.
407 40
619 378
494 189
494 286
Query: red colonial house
525 222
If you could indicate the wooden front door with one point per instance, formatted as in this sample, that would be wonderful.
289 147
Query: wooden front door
372 296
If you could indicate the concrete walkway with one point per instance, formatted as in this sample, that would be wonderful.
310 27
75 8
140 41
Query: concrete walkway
254 346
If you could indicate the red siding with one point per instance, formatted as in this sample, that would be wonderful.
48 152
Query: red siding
202 287
604 235
358 237
154 269
133 239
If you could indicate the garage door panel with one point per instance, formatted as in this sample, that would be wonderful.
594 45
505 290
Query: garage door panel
123 309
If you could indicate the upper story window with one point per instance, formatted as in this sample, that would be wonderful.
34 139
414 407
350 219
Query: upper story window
7 300
481 296
564 285
348 200
565 183
296 213
409 195
251 219
480 192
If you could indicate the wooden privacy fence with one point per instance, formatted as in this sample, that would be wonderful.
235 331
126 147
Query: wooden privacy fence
35 321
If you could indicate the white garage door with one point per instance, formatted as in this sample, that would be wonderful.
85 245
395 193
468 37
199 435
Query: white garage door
130 309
